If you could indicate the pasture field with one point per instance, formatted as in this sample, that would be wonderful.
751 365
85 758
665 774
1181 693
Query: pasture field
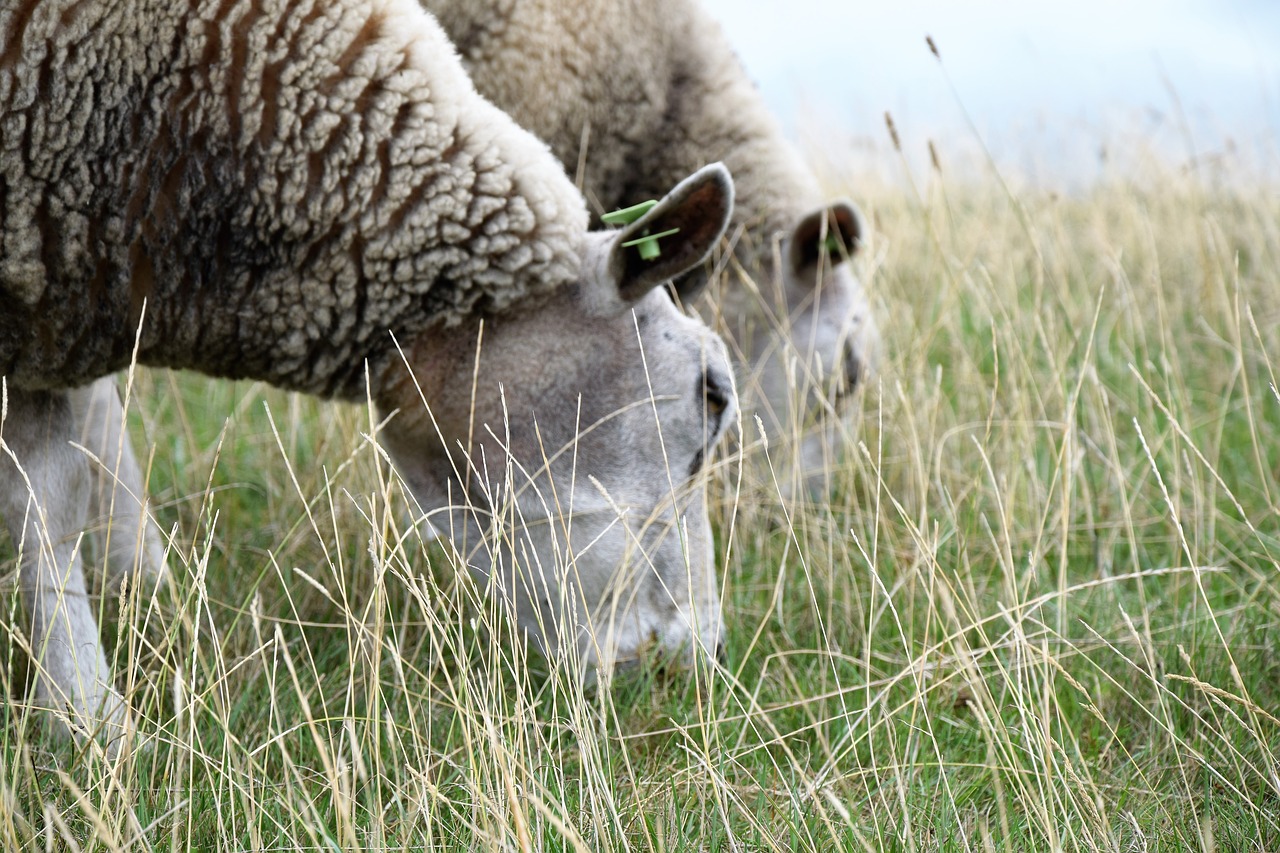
1039 610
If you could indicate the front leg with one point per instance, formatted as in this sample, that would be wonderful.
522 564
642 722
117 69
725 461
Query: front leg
118 507
44 499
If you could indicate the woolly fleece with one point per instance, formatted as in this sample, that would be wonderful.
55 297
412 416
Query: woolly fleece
658 87
280 183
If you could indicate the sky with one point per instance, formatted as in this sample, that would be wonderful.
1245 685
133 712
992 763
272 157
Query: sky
1042 84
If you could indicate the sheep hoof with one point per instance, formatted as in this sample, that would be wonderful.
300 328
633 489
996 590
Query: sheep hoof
108 728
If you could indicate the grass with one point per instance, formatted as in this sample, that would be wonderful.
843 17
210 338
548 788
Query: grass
1039 610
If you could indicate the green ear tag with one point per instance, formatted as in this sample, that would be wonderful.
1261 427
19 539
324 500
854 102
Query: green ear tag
832 244
648 249
646 244
627 215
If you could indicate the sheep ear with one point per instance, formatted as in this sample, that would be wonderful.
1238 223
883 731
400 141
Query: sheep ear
686 225
835 231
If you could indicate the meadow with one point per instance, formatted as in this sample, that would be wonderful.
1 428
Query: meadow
1038 607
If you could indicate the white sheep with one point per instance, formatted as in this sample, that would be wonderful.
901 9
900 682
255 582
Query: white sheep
311 193
632 94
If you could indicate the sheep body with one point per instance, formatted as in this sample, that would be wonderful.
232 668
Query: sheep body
273 237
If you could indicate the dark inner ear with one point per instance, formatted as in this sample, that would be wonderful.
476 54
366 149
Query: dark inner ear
701 216
839 226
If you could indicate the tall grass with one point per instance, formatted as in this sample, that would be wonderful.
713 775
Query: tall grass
1038 610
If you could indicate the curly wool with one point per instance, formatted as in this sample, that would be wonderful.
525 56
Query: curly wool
656 87
256 188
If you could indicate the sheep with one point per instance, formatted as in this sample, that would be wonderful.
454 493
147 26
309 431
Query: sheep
311 193
631 93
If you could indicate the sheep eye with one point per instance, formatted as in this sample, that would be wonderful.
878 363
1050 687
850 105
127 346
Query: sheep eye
715 396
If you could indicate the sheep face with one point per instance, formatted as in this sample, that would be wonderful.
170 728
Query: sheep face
816 342
573 486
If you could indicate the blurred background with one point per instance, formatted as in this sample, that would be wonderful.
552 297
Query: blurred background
1057 93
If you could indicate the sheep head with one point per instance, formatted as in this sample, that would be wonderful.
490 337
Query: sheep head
806 332
561 448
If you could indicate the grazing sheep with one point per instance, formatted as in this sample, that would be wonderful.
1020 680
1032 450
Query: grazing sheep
311 193
631 94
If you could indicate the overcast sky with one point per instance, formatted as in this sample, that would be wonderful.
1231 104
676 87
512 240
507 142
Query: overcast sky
1026 71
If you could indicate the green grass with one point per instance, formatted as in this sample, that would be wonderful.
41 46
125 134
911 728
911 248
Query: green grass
1038 612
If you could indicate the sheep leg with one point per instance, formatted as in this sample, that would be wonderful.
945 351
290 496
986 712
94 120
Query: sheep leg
118 507
44 499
